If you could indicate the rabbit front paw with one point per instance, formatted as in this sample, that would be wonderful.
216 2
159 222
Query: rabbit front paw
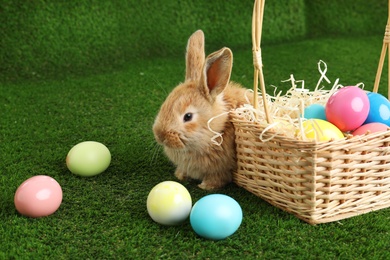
181 175
206 185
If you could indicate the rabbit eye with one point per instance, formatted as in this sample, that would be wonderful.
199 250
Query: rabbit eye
187 117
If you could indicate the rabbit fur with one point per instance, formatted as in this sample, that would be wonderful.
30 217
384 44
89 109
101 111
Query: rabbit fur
181 125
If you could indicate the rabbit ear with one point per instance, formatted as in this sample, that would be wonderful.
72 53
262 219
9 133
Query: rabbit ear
195 56
216 72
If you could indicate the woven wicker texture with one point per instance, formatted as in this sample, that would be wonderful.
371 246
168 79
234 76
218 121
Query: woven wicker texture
318 182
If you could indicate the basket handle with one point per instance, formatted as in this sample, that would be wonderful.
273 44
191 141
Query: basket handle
257 25
385 47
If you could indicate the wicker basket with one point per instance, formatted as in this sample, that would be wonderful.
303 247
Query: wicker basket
318 182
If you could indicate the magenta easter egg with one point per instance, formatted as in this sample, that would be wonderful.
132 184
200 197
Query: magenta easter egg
38 196
347 108
370 128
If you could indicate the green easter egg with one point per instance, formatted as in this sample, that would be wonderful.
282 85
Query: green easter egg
88 158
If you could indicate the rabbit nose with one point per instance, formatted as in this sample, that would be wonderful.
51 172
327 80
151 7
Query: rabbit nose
170 139
173 140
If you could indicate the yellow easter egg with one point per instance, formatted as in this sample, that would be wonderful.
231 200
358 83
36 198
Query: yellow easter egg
321 130
169 203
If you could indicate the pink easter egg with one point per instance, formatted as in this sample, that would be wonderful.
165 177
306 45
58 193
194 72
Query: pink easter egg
370 128
38 196
347 108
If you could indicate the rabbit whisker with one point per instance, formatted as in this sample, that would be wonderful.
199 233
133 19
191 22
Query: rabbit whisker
155 154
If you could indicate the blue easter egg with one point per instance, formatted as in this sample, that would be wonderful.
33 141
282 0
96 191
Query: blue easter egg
315 111
216 216
379 109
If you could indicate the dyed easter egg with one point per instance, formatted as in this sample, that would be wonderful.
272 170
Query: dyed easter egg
321 130
38 196
216 216
370 128
379 109
88 158
347 108
169 203
315 111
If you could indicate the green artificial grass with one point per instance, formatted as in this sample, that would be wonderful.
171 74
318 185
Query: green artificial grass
56 39
333 17
42 39
105 217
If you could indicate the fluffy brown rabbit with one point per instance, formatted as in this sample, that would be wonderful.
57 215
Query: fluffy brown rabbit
181 125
